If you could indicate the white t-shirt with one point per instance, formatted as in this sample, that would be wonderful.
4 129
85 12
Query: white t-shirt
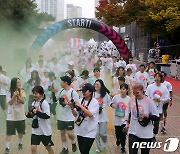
147 107
142 78
4 82
56 68
154 91
15 111
44 124
129 80
132 67
121 112
103 102
151 74
168 85
88 127
122 63
65 113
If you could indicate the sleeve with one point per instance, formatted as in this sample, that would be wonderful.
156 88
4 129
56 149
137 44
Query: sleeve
8 96
94 109
153 109
108 100
113 100
127 110
135 68
148 92
135 77
45 111
169 86
75 96
165 96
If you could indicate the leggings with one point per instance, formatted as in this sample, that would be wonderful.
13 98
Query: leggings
85 144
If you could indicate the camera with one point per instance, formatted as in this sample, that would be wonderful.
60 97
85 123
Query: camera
100 109
140 119
62 102
32 108
74 105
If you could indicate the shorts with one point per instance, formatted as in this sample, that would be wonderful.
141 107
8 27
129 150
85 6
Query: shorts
165 106
12 126
3 101
65 125
37 139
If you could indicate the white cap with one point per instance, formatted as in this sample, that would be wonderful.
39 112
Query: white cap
71 63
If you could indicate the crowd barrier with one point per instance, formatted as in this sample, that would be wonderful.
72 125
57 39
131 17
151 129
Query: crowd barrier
175 69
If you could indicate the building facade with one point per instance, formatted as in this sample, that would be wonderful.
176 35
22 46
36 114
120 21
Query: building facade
53 7
73 11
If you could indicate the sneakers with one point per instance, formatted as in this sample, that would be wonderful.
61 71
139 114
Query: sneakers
104 144
7 151
163 130
123 151
98 151
20 146
74 147
64 151
118 142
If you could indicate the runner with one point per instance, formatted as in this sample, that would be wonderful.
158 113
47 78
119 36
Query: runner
4 83
102 96
121 104
15 120
143 112
166 104
87 119
151 70
142 77
65 118
160 95
41 126
132 66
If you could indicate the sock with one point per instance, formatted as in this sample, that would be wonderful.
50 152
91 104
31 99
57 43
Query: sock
7 144
162 124
73 142
65 145
20 141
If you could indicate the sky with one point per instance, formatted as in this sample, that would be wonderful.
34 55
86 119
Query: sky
88 7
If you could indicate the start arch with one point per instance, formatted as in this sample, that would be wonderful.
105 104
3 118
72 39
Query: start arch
82 23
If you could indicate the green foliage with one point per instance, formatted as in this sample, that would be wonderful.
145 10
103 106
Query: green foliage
22 15
157 17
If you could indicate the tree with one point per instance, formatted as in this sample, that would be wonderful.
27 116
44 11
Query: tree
22 15
157 17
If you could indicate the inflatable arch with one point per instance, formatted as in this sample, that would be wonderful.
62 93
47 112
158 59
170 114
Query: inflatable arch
82 23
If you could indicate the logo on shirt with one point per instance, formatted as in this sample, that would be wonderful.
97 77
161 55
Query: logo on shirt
157 92
100 100
120 109
134 110
151 73
142 79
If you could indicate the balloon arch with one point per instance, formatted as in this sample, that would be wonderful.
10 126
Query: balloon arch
82 23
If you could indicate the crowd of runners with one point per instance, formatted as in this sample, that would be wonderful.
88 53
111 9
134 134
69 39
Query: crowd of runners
76 88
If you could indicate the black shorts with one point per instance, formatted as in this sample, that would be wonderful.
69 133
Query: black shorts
65 125
12 126
37 139
165 106
3 101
